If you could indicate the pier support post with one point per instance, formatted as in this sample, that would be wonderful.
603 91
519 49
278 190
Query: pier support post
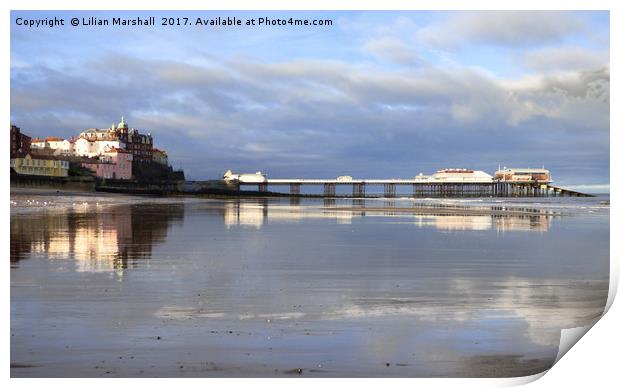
389 190
262 187
359 190
329 190
295 188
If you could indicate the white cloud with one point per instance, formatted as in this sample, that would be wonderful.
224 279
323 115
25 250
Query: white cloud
564 58
504 28
391 49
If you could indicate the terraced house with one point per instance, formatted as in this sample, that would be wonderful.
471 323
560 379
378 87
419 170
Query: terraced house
41 165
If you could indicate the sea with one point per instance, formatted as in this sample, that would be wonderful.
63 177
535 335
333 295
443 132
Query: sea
106 285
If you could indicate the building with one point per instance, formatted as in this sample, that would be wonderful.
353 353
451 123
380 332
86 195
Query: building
111 152
257 177
20 143
41 165
57 145
160 156
523 175
91 147
140 146
94 134
95 142
37 143
60 146
457 175
115 163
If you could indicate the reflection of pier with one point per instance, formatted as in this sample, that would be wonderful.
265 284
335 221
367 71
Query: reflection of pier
417 188
442 217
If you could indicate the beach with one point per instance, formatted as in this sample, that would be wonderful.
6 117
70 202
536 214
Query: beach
107 285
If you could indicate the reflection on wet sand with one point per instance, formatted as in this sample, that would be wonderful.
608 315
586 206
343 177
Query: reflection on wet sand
115 238
262 288
441 217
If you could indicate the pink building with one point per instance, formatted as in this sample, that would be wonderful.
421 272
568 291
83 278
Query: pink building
113 164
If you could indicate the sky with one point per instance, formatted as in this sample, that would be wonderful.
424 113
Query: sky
378 94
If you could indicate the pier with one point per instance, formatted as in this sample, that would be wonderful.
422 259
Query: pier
418 188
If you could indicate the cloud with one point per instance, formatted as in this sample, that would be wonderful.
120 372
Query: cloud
325 116
391 49
564 58
502 28
580 98
524 299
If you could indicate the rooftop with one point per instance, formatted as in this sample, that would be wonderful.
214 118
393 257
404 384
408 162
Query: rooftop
41 157
541 170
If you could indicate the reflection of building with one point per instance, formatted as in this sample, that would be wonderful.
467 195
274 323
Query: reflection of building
114 238
502 223
456 222
244 214
539 223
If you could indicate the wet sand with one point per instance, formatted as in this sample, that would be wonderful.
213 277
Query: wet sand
182 287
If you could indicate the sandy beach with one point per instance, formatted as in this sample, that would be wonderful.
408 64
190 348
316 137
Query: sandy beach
120 286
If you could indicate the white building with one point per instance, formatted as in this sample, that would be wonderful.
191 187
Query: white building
60 146
37 143
91 148
462 175
99 134
257 177
456 175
